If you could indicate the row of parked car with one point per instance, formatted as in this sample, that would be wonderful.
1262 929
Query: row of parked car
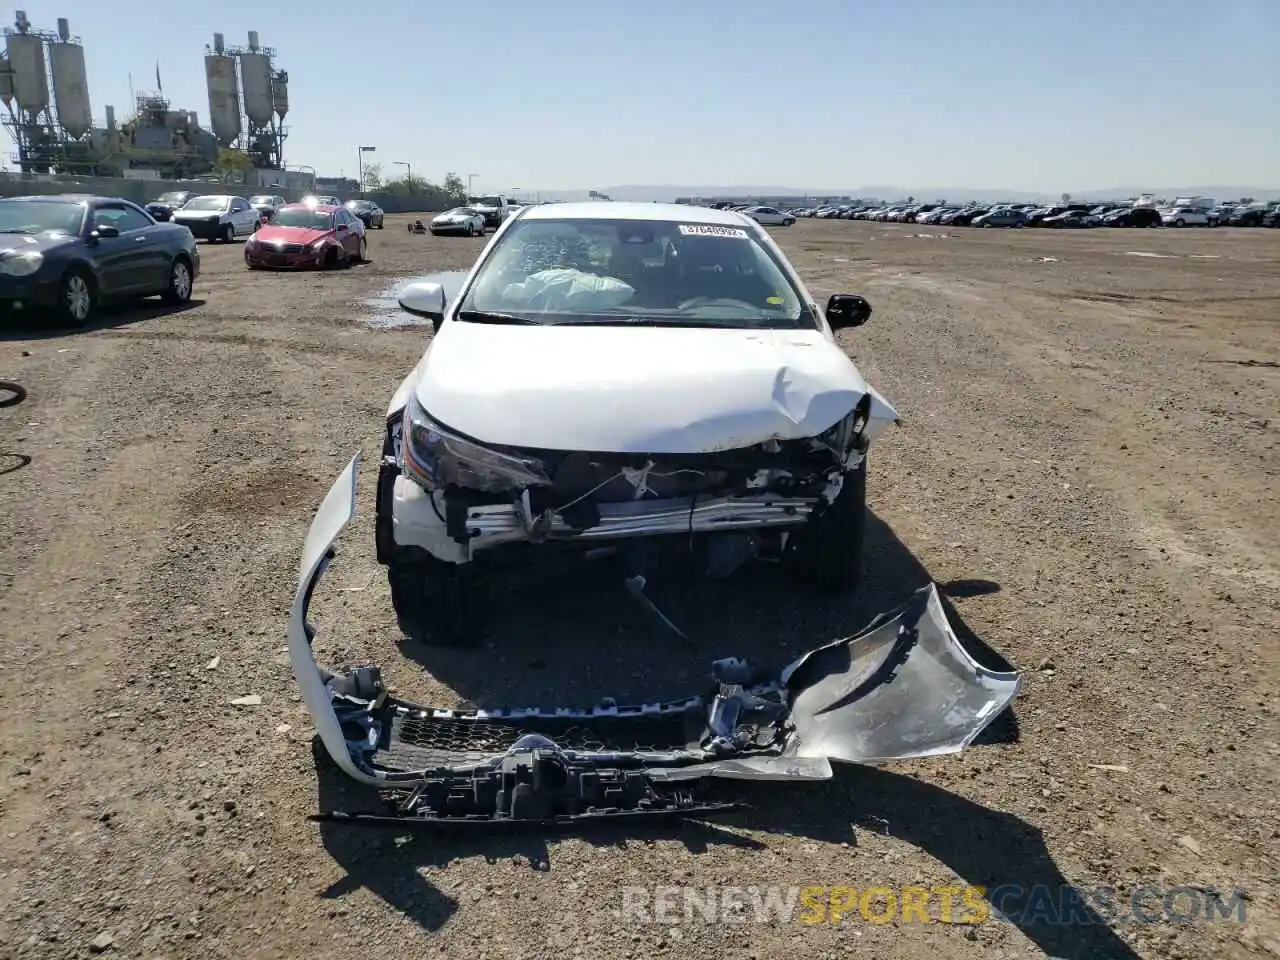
1068 215
69 254
225 217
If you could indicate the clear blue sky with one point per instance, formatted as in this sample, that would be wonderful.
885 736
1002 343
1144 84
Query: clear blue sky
565 94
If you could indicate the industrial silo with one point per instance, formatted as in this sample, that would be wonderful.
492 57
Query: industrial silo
255 83
224 94
6 80
280 93
30 82
70 83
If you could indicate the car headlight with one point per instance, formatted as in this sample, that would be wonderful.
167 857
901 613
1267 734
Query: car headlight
846 435
436 458
318 245
21 264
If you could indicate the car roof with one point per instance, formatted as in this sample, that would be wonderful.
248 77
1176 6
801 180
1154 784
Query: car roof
70 198
323 207
624 210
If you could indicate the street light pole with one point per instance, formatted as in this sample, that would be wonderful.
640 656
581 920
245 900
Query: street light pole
408 171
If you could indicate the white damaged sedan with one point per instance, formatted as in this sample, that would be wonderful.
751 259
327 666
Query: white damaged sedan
464 220
610 376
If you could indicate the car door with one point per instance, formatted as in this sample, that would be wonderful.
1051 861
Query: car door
345 232
156 253
127 262
243 217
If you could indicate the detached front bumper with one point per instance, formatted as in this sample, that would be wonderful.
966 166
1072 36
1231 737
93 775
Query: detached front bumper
902 688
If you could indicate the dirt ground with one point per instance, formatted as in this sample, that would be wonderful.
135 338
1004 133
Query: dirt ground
1088 463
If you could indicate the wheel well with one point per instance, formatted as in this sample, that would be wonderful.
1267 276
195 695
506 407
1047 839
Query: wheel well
85 271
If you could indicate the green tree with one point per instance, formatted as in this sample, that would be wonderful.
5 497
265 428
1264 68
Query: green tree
231 161
455 190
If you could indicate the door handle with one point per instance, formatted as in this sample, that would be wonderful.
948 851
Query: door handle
138 239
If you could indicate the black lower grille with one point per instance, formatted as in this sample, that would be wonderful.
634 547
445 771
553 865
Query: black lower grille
420 739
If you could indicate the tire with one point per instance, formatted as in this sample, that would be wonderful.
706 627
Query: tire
228 234
827 553
77 298
17 393
330 259
180 282
1179 222
437 604
362 256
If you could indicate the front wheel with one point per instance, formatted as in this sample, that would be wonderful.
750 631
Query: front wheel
179 288
75 298
437 604
1179 222
228 233
362 255
827 552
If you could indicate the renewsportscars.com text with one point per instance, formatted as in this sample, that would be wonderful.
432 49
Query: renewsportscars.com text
1010 903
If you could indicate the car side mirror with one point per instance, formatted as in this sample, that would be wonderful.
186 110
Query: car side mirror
424 300
847 310
105 232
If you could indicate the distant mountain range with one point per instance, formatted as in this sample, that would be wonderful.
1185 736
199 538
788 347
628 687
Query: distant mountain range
672 191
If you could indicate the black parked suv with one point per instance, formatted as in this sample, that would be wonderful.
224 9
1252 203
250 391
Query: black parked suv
1250 217
368 211
1135 217
162 207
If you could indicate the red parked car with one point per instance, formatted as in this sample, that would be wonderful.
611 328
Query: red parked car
307 235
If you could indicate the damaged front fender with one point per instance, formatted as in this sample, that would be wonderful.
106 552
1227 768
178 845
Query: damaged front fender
903 688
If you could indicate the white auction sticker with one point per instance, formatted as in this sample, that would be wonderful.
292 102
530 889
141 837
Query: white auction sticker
711 230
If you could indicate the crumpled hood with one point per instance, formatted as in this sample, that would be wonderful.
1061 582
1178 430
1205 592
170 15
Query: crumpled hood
303 235
610 389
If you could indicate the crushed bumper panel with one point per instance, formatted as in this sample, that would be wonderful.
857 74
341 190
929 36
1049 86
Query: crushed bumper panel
902 688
